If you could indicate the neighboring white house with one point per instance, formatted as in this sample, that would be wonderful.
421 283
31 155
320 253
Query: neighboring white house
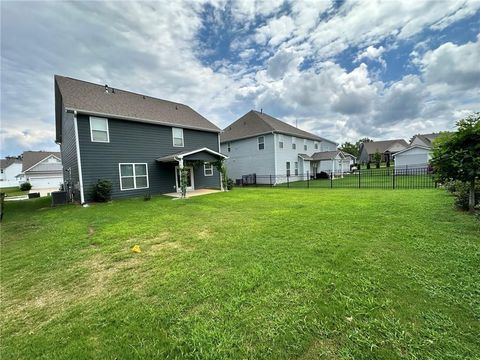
424 139
351 159
259 144
10 167
42 169
335 162
414 157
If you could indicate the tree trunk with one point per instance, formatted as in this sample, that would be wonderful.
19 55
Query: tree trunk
471 197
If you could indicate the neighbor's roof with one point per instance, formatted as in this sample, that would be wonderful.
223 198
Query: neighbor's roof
427 138
428 148
31 158
326 155
305 157
89 98
4 163
383 145
255 123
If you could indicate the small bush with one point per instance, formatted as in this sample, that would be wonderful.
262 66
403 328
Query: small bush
368 165
323 175
230 184
147 196
358 166
102 191
388 163
26 186
462 192
377 165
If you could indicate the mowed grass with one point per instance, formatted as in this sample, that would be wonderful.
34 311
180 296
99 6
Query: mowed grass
13 191
253 273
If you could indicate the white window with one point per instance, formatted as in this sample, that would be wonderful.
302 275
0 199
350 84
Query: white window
208 169
133 176
294 145
296 168
280 141
288 168
261 142
316 145
229 147
99 129
305 147
177 135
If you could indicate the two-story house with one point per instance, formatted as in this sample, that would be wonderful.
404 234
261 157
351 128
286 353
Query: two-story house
42 169
137 142
260 144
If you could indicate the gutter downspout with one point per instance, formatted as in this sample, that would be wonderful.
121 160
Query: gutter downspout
79 161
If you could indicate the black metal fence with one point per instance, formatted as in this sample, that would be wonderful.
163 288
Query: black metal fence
383 178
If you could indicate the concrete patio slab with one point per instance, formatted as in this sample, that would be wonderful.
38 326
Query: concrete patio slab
192 193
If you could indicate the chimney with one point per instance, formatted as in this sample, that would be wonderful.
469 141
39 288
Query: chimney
106 88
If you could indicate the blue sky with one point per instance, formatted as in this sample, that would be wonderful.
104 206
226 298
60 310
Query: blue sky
341 69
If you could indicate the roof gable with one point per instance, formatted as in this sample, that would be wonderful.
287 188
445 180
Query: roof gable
32 158
382 146
256 123
94 99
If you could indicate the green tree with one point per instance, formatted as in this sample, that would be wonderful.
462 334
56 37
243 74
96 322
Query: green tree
377 157
456 156
361 141
349 148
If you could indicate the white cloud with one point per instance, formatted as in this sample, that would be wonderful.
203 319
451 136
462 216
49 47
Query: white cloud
275 31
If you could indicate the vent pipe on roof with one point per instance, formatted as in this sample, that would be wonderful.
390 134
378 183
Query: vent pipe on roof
106 88
176 107
113 91
261 111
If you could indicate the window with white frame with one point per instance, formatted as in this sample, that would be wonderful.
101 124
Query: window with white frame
207 169
133 176
229 147
294 145
296 168
261 142
316 145
305 147
288 168
99 129
177 134
280 141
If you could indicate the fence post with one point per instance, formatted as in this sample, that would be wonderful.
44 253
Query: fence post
270 180
308 179
359 175
393 176
288 181
331 179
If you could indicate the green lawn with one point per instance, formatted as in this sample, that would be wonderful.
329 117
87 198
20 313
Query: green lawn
253 273
13 191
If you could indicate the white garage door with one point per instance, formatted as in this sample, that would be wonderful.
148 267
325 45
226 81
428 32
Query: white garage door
45 182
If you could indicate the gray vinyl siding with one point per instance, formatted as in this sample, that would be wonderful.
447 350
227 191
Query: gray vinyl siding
135 142
69 154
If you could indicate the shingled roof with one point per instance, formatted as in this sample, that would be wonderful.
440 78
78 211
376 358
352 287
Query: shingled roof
94 99
327 155
426 138
31 158
256 123
4 163
382 146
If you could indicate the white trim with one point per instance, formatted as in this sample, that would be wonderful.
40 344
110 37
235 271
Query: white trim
412 147
91 130
220 173
79 161
205 169
38 163
191 178
173 137
200 150
131 118
134 176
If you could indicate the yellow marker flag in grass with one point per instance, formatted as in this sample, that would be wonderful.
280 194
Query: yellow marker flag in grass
136 249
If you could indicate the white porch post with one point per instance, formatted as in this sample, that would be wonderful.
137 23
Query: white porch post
341 167
333 168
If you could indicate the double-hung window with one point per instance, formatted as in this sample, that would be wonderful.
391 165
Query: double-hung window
305 147
133 176
99 129
294 145
229 147
261 142
177 134
296 168
208 169
280 141
288 168
316 145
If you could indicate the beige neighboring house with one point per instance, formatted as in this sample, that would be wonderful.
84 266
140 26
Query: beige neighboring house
386 148
424 139
42 169
10 167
